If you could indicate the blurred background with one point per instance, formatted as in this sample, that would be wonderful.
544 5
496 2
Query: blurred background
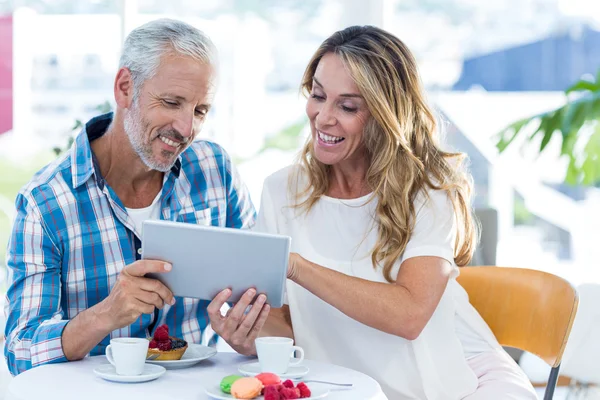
531 66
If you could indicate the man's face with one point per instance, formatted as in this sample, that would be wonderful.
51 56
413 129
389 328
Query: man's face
169 110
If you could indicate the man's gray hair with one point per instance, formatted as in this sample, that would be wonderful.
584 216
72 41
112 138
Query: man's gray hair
146 44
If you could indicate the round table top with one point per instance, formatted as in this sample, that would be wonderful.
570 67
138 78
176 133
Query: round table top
76 380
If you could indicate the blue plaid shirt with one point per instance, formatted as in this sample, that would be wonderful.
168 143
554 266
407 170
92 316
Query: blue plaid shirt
72 237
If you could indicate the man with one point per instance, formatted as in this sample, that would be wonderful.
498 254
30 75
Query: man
75 274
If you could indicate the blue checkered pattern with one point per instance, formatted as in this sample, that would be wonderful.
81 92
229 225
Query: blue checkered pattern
72 236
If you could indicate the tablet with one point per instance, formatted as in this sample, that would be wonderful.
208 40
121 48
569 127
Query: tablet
208 259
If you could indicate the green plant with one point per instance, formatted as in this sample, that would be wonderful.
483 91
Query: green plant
102 109
522 215
577 124
287 139
12 179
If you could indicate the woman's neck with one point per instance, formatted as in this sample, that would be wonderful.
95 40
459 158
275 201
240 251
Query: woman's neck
348 181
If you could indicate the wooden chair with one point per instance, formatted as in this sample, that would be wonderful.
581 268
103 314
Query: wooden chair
526 309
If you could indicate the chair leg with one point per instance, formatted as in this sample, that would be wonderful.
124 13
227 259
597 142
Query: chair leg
549 394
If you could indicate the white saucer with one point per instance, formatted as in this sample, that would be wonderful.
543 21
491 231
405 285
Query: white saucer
108 372
253 368
214 392
192 356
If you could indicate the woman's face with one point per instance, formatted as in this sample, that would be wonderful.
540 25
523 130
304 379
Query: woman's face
337 113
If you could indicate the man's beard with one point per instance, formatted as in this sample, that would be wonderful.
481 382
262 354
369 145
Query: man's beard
135 127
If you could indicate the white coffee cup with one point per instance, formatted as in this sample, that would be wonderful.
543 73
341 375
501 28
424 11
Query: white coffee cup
275 354
128 355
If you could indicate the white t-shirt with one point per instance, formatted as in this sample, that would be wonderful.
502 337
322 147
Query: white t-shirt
139 215
340 234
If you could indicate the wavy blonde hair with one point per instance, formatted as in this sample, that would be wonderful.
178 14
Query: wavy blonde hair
401 142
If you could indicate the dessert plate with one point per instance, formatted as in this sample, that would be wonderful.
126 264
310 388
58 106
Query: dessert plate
214 392
253 368
192 356
108 372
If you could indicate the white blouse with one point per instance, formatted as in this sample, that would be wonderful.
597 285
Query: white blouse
340 234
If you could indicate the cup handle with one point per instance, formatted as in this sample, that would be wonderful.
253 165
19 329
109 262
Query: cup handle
299 360
109 356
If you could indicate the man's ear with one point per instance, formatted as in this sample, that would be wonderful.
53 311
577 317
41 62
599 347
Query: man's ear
123 88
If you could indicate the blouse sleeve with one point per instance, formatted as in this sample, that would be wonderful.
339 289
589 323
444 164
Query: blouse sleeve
269 216
266 221
434 232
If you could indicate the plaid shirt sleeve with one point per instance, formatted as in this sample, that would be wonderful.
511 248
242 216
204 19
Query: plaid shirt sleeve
35 321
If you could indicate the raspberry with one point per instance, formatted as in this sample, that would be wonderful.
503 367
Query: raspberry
270 388
161 335
271 393
279 386
164 326
288 383
164 345
289 393
272 396
304 390
153 344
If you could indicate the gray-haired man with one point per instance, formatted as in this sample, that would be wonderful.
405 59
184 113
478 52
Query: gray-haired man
75 276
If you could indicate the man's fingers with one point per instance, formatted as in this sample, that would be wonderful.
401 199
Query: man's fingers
151 298
152 285
260 322
143 267
237 313
139 307
250 318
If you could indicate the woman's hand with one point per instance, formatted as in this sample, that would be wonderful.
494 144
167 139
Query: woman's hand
238 328
294 265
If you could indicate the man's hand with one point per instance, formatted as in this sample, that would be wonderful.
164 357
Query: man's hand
134 295
235 328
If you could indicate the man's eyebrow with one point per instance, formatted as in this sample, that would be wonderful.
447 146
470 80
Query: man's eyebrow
341 95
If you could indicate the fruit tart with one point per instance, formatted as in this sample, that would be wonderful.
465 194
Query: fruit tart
167 347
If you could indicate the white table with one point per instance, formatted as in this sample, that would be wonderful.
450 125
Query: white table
76 380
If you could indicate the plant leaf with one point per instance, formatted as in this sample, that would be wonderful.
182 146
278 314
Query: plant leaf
78 125
508 135
576 113
573 173
591 158
583 86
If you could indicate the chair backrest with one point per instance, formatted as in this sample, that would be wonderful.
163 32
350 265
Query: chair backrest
580 360
526 309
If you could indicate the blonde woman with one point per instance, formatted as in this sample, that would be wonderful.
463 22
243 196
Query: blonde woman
380 221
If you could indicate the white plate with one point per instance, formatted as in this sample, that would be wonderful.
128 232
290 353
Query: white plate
108 372
253 368
192 356
214 392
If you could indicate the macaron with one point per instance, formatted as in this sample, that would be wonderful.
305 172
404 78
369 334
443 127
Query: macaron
227 382
246 388
268 378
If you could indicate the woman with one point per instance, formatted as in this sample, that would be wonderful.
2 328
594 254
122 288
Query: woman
380 221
